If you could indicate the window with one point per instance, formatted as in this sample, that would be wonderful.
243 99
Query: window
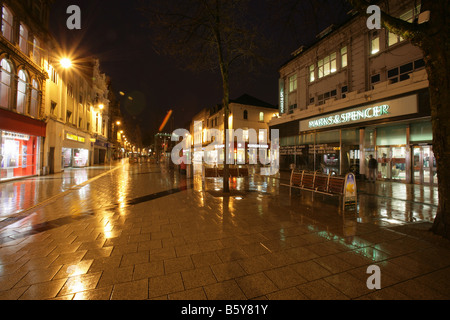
53 108
261 116
293 83
344 91
393 38
402 73
70 90
36 52
5 84
322 98
327 65
343 57
245 116
34 103
292 108
53 75
22 91
23 39
312 75
375 79
7 23
375 43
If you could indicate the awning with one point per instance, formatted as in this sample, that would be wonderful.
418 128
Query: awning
11 121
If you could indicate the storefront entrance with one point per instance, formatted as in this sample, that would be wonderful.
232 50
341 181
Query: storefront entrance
392 163
18 154
75 158
424 165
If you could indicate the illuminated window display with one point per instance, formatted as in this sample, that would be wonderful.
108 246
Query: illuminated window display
19 155
75 158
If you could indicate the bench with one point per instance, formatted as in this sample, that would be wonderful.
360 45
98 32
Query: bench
336 185
243 172
218 172
326 184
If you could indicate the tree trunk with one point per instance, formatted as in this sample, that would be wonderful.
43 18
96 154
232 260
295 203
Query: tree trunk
226 101
438 66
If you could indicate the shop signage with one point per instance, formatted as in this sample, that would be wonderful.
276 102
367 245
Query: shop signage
74 137
386 109
350 116
15 136
297 150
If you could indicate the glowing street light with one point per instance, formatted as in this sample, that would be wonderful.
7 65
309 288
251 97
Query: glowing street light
66 63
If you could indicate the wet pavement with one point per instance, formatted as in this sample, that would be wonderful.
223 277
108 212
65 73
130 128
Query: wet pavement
143 231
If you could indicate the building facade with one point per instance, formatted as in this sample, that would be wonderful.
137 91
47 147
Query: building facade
51 117
22 84
247 113
77 116
354 93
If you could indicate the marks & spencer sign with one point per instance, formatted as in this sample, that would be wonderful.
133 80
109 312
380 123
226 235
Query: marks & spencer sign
386 109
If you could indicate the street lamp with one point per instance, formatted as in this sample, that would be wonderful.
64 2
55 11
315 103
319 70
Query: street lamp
66 63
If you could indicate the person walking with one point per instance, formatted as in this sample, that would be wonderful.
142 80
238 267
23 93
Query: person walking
373 164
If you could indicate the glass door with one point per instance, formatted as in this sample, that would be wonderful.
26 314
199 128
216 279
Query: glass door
384 162
417 165
398 163
424 165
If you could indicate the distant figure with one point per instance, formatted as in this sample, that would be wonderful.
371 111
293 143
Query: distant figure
373 164
183 165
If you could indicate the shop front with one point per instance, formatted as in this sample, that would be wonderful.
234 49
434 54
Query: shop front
20 145
75 151
397 132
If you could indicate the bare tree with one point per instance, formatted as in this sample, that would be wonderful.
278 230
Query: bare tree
211 35
433 38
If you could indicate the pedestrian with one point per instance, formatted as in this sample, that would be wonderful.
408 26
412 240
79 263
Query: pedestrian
183 164
373 164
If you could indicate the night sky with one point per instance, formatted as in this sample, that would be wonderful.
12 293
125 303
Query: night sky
115 31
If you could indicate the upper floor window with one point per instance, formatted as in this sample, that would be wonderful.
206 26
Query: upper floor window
7 23
261 116
36 52
343 57
5 84
23 39
34 102
312 75
245 115
293 83
327 65
375 43
22 91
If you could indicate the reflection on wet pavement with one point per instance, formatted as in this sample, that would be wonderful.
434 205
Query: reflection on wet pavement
146 231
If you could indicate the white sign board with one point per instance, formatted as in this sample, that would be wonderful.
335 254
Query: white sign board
386 109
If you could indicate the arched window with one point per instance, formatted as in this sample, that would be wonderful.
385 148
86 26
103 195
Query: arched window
34 103
245 115
5 84
36 51
7 23
261 116
23 39
22 91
